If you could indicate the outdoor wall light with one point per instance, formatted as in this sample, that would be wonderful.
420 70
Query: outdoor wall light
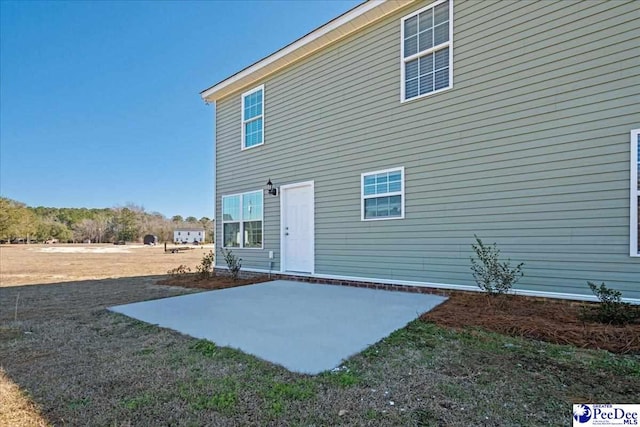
270 189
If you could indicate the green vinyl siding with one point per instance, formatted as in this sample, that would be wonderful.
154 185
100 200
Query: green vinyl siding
529 148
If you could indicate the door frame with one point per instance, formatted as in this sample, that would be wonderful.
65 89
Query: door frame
283 200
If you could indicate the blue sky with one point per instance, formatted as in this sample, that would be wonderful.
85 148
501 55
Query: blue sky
99 100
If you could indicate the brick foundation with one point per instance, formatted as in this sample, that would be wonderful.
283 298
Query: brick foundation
342 282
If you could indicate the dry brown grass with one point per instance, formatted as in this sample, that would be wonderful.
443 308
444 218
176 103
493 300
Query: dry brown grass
84 365
16 410
30 264
40 264
192 281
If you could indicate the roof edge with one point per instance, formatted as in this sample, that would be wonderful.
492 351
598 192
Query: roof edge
302 47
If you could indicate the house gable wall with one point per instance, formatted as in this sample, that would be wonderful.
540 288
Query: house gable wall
530 148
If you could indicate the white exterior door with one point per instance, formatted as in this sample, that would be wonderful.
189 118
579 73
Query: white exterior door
297 227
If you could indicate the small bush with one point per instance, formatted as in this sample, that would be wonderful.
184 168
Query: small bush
180 270
611 308
233 263
491 275
343 376
205 347
205 269
300 390
224 402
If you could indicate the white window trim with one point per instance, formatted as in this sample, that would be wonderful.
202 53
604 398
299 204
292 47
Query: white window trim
243 121
373 196
241 220
404 60
634 192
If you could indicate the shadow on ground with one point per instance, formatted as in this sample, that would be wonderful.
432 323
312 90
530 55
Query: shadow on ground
53 337
41 302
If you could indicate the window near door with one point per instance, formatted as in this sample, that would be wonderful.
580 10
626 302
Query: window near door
382 194
242 220
635 193
253 118
427 51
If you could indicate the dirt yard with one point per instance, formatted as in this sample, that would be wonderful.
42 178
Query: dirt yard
40 264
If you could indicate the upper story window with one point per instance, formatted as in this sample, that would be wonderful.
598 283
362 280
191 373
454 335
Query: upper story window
242 220
427 51
253 117
635 193
383 194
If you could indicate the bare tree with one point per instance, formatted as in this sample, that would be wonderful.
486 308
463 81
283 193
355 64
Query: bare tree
86 229
102 226
159 226
209 228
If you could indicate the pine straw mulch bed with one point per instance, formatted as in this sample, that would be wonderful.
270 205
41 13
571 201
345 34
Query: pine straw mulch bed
555 321
219 281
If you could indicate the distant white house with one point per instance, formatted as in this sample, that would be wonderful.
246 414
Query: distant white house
189 235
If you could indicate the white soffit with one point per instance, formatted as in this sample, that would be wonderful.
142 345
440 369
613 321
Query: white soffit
357 18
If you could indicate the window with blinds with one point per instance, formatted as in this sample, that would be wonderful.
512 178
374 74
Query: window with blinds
635 193
427 51
382 194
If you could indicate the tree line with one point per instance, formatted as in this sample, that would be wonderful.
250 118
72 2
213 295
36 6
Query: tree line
129 223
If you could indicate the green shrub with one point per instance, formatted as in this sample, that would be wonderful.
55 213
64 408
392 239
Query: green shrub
492 275
205 347
611 308
224 402
233 262
205 269
180 270
300 390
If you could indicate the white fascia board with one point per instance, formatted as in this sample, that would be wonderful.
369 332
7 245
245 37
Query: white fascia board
353 20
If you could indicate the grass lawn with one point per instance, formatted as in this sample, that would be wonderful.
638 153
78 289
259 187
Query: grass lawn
82 365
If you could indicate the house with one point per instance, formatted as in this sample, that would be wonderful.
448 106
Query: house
398 130
189 235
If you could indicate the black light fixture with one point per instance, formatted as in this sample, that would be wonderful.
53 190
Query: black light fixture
270 189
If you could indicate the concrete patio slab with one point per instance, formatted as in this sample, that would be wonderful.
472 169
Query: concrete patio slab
306 328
